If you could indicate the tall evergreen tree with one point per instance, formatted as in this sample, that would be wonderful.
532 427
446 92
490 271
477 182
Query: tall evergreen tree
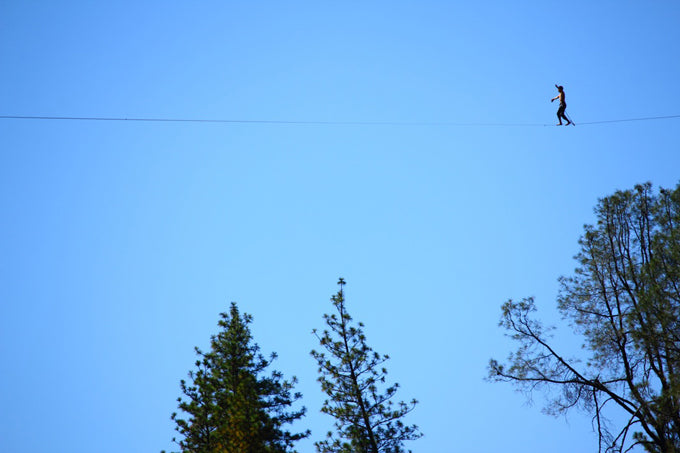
230 405
351 374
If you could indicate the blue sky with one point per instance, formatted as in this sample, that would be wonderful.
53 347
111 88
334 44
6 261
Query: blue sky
121 242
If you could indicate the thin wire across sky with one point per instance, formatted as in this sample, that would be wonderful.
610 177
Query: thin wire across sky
339 123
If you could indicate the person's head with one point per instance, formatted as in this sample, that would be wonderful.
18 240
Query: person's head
559 88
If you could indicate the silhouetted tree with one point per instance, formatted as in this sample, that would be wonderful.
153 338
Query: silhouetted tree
367 420
230 407
624 300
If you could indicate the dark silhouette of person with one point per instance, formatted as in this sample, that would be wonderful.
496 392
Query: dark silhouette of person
563 105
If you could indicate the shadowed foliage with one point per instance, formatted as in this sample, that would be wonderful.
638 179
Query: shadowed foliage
624 301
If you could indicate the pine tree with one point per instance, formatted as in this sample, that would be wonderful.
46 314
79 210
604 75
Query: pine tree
230 406
351 374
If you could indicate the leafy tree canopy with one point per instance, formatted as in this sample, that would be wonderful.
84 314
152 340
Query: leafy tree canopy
624 301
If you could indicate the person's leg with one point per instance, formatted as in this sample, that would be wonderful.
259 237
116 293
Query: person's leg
562 109
560 113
